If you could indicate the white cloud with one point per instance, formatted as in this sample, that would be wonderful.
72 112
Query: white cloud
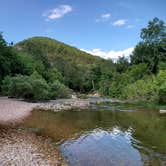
114 55
119 22
104 17
57 12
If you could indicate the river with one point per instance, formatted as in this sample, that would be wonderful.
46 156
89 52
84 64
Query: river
115 134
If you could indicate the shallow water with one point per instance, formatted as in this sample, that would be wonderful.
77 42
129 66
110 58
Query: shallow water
106 134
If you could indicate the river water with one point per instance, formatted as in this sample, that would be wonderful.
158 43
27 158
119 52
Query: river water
113 134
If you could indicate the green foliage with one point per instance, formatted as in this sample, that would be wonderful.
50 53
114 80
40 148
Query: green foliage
6 84
53 74
59 90
162 66
155 32
152 50
140 90
122 64
9 60
160 78
73 67
115 83
162 93
160 82
151 89
32 87
137 72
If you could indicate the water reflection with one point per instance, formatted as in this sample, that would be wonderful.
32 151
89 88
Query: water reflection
100 147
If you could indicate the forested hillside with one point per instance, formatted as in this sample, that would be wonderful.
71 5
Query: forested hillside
41 68
74 65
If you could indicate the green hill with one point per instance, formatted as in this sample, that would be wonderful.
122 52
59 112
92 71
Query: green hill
40 47
74 65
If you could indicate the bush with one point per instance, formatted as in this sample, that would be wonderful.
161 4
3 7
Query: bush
20 87
33 87
160 82
141 90
6 84
153 89
27 87
162 94
59 90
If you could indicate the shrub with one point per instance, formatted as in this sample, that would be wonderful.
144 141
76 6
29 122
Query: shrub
160 82
153 89
27 87
6 84
59 90
162 94
141 90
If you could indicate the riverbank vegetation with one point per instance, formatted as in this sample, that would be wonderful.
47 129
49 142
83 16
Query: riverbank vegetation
41 68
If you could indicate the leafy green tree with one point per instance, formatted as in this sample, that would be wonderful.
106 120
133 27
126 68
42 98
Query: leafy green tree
10 62
152 49
54 74
137 72
154 33
122 64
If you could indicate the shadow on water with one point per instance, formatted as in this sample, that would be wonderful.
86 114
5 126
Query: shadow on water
107 134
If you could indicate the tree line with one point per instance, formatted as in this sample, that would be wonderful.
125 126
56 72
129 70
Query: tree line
42 68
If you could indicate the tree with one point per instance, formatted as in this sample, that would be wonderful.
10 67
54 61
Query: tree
122 64
152 49
10 62
154 33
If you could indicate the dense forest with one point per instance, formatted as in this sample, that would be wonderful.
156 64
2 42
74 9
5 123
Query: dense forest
41 68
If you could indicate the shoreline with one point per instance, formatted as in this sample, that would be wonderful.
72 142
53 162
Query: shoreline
14 111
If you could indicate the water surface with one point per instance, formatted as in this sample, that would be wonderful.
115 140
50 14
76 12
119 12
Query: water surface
107 134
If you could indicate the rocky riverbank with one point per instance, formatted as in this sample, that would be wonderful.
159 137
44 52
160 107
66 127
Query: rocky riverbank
64 104
18 148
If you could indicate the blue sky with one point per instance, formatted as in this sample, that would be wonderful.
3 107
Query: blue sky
102 27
